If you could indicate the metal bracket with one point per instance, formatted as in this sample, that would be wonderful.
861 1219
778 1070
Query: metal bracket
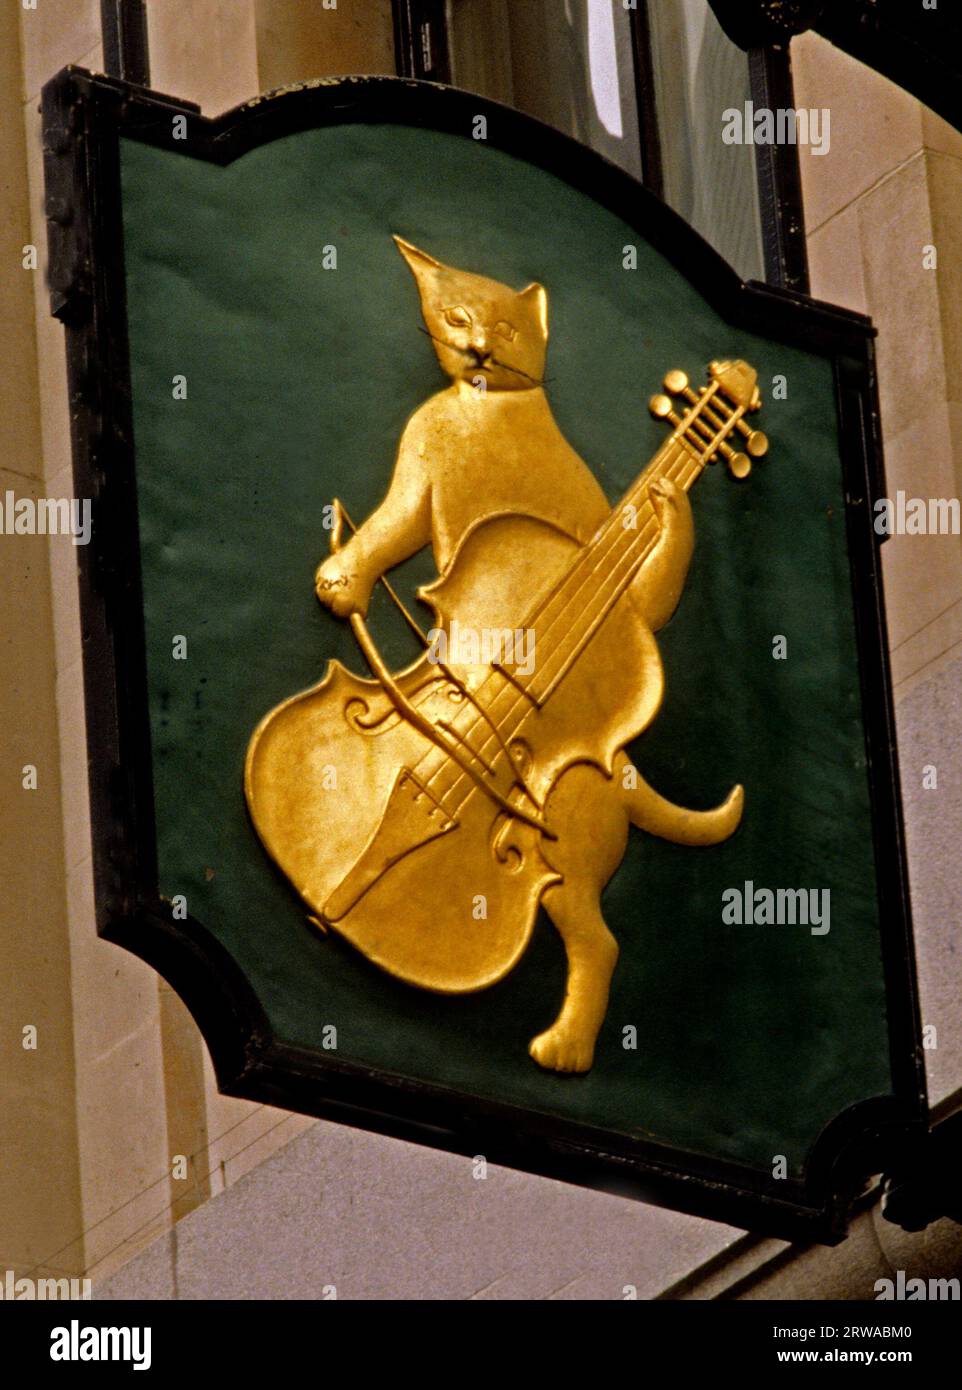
759 23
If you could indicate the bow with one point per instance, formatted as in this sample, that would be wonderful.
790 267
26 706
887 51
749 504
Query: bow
409 711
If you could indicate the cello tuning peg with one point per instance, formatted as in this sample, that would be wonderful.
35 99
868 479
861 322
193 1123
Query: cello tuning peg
757 444
661 407
675 382
739 465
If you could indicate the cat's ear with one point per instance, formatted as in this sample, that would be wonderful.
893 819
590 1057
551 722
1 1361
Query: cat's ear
536 298
419 261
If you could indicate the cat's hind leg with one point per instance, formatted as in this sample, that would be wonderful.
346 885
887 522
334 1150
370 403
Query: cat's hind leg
592 833
569 1044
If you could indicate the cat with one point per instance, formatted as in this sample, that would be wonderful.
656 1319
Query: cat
491 340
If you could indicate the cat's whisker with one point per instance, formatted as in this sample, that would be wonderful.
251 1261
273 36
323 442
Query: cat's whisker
537 380
494 361
427 332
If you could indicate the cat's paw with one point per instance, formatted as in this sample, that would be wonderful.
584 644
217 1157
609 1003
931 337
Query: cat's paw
667 496
341 589
672 509
563 1048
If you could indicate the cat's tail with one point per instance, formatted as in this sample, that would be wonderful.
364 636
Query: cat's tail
651 812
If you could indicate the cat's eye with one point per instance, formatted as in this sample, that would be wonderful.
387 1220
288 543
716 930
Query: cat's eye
458 317
506 330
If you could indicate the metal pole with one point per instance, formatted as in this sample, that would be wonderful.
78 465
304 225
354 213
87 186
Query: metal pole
124 27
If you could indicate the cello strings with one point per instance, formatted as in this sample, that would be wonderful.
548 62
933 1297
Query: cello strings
681 454
678 442
684 456
601 556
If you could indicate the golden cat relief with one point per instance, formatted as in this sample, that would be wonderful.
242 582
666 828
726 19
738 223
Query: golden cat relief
472 788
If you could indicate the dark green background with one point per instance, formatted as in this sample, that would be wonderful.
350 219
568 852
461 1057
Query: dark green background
300 380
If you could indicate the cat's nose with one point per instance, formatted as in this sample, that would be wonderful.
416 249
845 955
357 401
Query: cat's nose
481 352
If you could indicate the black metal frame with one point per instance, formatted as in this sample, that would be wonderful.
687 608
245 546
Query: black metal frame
779 175
757 23
652 173
84 118
421 39
123 25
